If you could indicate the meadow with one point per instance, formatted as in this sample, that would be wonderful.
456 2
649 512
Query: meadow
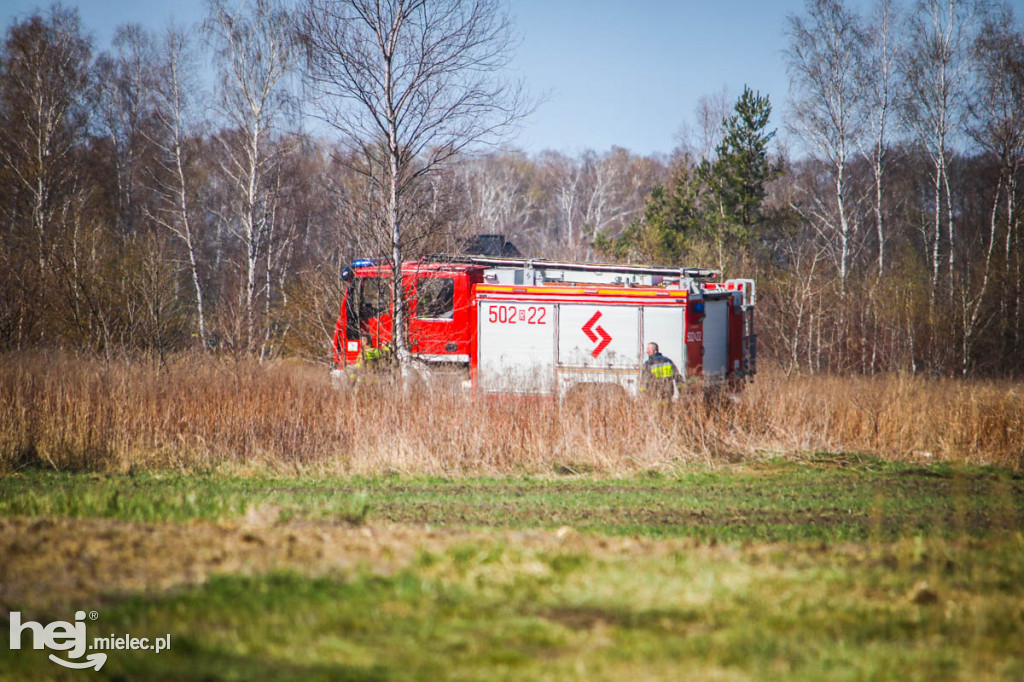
818 528
193 413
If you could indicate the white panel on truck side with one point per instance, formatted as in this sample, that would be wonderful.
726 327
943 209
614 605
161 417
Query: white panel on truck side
516 347
598 336
716 337
664 326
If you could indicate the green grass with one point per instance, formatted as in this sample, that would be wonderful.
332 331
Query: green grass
832 500
826 568
494 611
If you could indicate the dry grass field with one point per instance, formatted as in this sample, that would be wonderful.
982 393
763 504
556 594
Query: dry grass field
196 413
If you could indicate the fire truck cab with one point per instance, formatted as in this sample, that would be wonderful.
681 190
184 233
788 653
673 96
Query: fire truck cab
439 297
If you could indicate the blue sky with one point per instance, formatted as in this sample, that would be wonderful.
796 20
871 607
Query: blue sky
614 72
629 74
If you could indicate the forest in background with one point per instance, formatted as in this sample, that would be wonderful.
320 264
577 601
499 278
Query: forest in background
145 209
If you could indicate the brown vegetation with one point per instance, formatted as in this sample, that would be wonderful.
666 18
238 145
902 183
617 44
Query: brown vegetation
200 413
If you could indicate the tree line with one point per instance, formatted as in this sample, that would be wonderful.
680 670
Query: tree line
149 206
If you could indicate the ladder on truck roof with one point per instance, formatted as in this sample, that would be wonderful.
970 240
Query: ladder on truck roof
532 271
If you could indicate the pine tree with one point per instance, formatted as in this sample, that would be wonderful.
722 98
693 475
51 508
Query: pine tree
742 168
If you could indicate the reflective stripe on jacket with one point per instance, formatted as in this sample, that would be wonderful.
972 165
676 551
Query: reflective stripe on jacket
663 370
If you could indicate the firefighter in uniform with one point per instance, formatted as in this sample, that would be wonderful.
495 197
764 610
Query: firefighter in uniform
658 376
369 357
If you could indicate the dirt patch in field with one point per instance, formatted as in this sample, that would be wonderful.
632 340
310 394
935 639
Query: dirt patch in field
49 564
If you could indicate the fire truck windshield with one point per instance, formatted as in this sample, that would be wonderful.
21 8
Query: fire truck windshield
373 297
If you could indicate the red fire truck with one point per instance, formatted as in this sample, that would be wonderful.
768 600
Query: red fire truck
532 326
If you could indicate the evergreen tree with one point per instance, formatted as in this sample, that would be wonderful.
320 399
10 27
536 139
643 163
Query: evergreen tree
739 174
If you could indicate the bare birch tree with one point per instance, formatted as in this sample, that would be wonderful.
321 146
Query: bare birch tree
409 84
256 54
565 181
175 94
615 189
700 140
45 106
498 191
937 72
997 126
822 62
126 81
877 93
44 111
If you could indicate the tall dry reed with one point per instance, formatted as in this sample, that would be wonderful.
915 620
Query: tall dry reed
198 413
